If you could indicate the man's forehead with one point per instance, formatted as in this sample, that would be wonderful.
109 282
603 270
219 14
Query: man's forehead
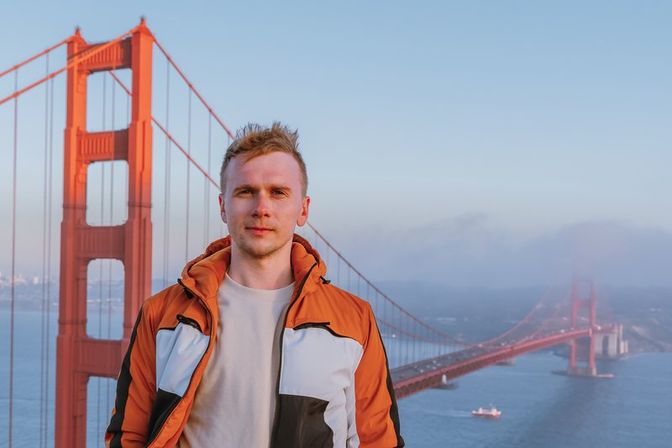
272 168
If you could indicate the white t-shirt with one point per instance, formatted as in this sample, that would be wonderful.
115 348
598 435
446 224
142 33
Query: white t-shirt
235 402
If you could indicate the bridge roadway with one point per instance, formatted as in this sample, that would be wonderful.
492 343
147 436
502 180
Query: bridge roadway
428 373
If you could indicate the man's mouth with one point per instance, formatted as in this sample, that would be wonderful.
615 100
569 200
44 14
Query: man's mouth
259 230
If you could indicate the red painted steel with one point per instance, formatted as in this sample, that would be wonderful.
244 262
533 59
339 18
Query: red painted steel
192 88
32 58
74 60
433 378
78 356
578 304
172 139
432 371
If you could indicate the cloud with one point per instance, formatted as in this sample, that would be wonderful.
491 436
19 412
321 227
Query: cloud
471 250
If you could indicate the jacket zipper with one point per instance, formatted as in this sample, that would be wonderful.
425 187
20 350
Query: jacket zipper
276 422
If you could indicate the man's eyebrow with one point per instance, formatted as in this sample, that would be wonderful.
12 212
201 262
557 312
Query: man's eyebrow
245 187
280 187
270 187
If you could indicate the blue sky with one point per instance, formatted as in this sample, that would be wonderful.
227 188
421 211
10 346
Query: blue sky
514 121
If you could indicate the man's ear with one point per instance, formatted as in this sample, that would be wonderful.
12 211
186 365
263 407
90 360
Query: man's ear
222 212
303 216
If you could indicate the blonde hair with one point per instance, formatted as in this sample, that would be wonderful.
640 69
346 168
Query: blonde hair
255 140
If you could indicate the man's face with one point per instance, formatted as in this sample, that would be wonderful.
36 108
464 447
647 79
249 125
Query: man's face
263 203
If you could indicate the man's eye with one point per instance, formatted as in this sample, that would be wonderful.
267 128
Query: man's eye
244 192
279 193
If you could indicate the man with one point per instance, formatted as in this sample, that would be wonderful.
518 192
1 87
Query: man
253 347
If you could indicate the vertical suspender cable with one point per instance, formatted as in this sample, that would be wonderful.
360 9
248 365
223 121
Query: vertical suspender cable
166 202
48 279
221 221
412 326
328 258
206 186
359 283
440 344
13 269
384 313
350 288
413 339
400 340
409 340
430 344
423 344
415 342
399 326
375 307
186 228
405 339
43 342
415 336
338 271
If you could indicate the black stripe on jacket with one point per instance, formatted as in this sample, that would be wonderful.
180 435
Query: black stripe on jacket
123 384
394 411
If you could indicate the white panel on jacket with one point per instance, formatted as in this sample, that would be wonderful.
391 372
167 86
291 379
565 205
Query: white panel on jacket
317 364
178 352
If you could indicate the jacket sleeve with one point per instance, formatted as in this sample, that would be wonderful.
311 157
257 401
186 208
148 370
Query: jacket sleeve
136 389
376 413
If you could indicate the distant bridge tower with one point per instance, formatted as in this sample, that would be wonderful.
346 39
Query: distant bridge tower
583 303
80 357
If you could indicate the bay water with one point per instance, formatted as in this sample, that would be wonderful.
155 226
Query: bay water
539 409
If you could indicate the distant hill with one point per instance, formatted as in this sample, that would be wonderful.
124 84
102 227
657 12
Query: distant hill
481 313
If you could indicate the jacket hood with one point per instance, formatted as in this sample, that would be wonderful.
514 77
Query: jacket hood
204 274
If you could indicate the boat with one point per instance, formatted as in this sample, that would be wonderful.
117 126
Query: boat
493 412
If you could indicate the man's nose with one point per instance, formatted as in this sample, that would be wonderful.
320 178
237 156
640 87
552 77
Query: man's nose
262 206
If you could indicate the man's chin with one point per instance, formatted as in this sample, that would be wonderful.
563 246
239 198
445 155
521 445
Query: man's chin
259 251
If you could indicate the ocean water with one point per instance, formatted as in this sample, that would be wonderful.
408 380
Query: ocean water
540 409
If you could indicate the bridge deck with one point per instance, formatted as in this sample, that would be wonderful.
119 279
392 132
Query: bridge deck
428 373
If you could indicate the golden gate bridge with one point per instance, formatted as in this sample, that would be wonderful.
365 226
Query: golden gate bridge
111 221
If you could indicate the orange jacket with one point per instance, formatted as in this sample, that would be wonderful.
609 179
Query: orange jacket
334 387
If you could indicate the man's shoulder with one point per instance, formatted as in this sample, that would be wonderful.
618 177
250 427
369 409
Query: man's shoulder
162 301
347 313
343 299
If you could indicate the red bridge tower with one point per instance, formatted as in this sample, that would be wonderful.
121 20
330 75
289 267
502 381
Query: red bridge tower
79 356
582 303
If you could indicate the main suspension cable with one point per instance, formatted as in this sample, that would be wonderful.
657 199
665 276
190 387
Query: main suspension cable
38 55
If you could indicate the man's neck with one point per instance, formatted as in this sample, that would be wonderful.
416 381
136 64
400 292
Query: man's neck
272 272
